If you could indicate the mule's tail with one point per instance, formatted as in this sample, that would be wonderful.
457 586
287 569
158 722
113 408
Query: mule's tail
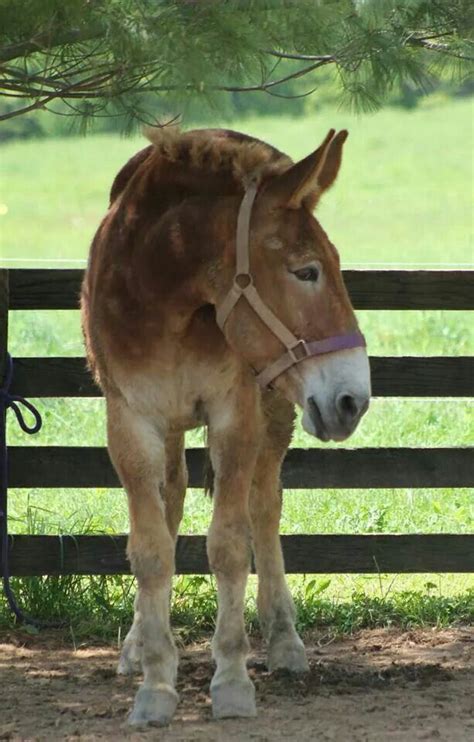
208 470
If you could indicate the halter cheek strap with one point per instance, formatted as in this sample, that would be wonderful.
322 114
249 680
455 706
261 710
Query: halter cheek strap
296 348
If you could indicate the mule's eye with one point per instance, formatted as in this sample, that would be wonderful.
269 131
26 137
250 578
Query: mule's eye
310 273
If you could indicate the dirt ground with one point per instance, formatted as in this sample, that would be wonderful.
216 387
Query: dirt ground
376 685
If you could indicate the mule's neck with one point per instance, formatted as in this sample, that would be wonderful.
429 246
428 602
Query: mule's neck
191 258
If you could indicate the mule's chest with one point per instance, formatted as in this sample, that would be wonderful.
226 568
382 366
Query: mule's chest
180 394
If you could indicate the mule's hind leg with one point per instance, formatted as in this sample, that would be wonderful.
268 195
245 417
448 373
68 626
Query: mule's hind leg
138 454
173 493
233 454
275 604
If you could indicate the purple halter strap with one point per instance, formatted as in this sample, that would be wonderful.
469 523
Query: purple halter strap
296 349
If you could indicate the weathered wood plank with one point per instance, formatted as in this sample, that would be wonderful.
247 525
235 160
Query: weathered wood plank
417 376
4 302
404 376
53 377
326 554
369 289
410 289
51 466
45 288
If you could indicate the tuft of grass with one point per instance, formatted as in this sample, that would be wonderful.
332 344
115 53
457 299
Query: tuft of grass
102 607
407 610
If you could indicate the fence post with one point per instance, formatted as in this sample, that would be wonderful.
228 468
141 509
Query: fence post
4 301
13 401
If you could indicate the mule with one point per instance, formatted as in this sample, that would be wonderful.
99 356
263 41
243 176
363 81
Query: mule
213 297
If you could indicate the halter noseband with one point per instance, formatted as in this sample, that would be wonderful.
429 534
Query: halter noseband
296 349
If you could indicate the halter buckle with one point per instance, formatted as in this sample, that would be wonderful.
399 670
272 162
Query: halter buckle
242 281
299 351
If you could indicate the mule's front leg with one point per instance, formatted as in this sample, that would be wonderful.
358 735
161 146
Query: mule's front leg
275 604
233 453
138 454
173 493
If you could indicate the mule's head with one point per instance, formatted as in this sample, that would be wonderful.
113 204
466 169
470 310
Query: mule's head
296 271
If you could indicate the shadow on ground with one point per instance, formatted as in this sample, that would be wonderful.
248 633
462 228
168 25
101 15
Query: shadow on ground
379 684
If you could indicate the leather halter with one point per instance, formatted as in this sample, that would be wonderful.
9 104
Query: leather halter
296 348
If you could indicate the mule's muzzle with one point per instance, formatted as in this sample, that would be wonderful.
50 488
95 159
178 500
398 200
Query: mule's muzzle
338 425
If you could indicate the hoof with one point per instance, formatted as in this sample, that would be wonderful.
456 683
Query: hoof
129 662
236 698
288 655
154 706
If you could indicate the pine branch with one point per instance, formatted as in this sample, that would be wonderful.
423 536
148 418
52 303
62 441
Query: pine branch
439 48
27 109
62 93
269 84
110 55
49 41
301 57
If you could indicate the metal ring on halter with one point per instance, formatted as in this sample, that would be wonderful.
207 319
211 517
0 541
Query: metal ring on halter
247 277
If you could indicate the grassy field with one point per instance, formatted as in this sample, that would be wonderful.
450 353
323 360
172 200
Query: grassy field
403 198
404 194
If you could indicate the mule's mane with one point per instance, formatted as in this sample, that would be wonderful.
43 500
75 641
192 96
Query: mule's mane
209 159
205 161
220 152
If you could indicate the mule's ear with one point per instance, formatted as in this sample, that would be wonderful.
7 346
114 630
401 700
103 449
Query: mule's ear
330 169
306 180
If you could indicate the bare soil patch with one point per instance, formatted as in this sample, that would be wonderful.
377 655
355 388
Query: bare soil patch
376 685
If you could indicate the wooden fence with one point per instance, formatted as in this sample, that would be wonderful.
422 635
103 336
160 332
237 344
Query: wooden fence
74 467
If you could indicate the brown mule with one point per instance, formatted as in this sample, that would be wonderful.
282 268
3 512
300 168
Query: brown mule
208 269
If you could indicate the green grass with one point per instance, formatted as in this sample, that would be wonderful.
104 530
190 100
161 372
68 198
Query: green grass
404 194
102 607
403 198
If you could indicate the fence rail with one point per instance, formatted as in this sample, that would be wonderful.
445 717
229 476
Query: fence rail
338 468
404 376
324 554
83 467
369 289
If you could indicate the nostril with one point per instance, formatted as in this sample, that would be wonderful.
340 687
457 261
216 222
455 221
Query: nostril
350 408
347 407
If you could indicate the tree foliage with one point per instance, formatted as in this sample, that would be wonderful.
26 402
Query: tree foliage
134 59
